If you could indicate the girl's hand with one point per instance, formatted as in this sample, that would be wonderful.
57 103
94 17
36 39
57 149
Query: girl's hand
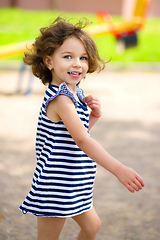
130 179
94 104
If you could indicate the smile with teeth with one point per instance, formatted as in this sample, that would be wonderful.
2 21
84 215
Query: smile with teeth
74 73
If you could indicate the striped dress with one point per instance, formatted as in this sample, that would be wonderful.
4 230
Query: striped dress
64 177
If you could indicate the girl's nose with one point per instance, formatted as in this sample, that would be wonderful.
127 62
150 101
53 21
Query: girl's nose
77 63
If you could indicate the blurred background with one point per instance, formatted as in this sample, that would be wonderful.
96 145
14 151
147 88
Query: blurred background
20 20
114 7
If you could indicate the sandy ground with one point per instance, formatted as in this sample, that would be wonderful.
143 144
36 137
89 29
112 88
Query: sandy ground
129 129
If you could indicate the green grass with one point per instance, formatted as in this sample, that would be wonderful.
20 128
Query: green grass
21 25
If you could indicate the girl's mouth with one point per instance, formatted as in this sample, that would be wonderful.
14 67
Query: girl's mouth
74 74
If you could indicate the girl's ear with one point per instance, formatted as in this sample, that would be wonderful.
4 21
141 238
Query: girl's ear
48 62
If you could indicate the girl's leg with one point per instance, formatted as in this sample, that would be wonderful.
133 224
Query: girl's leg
89 223
49 228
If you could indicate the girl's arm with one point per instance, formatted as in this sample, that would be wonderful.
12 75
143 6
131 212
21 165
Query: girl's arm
65 109
94 104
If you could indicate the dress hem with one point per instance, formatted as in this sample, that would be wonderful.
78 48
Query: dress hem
53 215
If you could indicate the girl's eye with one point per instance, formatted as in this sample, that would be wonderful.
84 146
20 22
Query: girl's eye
67 57
83 58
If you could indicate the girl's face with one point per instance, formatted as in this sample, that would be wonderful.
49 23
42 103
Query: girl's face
69 62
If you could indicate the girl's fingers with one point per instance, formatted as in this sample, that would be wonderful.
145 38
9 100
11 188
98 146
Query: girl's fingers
138 184
92 105
90 98
92 102
128 186
134 186
140 180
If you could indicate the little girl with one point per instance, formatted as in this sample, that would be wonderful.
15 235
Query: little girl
63 180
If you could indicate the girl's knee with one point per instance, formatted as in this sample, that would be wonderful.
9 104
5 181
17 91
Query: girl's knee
91 231
89 223
97 225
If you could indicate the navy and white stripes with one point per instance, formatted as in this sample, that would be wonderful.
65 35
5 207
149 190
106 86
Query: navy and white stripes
63 180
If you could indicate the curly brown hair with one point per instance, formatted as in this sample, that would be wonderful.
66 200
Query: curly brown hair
53 37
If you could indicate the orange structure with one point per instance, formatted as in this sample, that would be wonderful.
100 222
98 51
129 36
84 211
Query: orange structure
13 49
123 31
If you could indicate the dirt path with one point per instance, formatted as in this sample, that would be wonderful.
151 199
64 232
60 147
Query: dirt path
129 129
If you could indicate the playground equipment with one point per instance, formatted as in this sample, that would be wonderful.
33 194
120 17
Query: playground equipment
13 49
125 32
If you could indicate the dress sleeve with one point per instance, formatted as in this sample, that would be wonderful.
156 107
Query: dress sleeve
64 90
